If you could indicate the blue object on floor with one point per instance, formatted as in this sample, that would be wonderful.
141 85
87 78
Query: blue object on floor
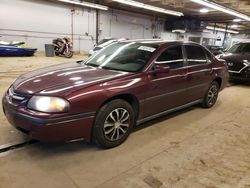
10 50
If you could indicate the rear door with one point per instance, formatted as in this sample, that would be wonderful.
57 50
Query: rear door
167 90
199 71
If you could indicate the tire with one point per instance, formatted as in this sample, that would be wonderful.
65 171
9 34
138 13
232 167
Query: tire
211 95
68 54
113 124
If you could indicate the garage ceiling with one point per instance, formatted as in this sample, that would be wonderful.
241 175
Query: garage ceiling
192 9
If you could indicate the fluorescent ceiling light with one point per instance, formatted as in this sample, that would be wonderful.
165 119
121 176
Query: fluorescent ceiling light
86 4
149 7
178 31
222 9
237 20
234 26
222 29
206 31
204 10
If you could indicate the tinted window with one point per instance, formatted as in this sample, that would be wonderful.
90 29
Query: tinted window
195 55
124 56
172 56
240 48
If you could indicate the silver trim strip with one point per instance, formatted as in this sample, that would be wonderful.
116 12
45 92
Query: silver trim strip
165 94
174 92
14 95
167 112
17 97
239 70
199 71
218 68
167 62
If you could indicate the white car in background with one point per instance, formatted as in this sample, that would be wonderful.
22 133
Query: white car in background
103 43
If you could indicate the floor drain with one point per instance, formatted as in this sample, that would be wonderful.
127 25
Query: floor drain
153 182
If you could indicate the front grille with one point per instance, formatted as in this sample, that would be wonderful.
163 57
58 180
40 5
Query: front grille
235 66
16 97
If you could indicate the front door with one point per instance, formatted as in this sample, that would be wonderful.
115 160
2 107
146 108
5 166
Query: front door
166 89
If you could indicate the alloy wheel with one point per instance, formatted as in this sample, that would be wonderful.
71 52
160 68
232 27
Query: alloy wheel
212 95
116 124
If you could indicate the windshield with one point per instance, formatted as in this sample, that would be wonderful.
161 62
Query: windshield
240 48
124 56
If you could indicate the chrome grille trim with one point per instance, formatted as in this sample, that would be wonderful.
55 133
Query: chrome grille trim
14 95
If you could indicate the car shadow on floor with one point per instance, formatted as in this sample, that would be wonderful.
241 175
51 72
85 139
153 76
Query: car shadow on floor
238 83
74 147
164 118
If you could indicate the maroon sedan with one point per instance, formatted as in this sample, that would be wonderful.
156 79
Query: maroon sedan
123 85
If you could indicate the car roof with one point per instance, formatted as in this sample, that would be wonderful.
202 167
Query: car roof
159 41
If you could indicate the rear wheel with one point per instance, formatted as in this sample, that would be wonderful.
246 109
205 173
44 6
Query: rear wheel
211 95
68 54
113 124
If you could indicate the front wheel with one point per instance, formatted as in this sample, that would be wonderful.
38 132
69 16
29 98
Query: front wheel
113 123
211 95
57 53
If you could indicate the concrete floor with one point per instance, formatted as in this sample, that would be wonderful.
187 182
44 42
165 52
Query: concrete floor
193 148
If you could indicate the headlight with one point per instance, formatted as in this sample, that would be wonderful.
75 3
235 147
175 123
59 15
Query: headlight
48 104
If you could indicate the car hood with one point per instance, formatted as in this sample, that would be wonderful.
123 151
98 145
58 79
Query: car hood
230 57
59 79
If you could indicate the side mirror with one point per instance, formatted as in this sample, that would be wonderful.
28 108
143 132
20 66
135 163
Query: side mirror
161 68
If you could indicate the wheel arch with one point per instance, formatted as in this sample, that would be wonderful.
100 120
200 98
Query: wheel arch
129 98
218 80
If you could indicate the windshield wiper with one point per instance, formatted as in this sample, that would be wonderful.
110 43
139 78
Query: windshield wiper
109 68
92 65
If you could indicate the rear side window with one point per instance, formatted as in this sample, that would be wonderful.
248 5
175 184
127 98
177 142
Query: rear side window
195 55
172 56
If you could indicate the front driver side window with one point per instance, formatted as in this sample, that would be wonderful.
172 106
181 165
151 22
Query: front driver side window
172 56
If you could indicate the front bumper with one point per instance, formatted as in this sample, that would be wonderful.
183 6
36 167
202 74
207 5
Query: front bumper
60 129
242 75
